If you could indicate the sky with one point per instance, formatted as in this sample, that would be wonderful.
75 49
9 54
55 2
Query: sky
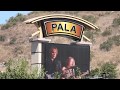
5 15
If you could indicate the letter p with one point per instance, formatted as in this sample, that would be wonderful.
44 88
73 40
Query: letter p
54 26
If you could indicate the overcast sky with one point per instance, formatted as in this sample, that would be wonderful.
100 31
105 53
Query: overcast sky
5 15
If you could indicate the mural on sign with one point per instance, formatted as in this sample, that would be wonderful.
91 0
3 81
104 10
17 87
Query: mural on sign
60 57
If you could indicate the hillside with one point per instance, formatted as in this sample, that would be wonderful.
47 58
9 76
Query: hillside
14 41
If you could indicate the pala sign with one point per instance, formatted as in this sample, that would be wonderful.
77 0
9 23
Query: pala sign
62 27
60 24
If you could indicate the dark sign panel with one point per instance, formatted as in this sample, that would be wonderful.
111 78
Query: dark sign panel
80 54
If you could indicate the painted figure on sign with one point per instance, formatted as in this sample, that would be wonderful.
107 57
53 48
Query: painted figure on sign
71 71
52 65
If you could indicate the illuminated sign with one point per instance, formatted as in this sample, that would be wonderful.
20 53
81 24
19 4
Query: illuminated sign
62 26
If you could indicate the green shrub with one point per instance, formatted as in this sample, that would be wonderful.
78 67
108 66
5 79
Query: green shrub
116 22
97 32
2 38
90 18
13 40
18 50
57 75
95 72
90 35
106 32
20 69
15 70
91 55
107 45
5 26
116 40
107 68
13 21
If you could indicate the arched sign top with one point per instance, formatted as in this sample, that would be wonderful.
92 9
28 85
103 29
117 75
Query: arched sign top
61 24
37 19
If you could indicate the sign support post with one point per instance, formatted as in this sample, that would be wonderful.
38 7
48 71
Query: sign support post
36 50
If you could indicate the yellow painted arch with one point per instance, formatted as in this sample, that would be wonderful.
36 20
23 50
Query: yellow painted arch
36 19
